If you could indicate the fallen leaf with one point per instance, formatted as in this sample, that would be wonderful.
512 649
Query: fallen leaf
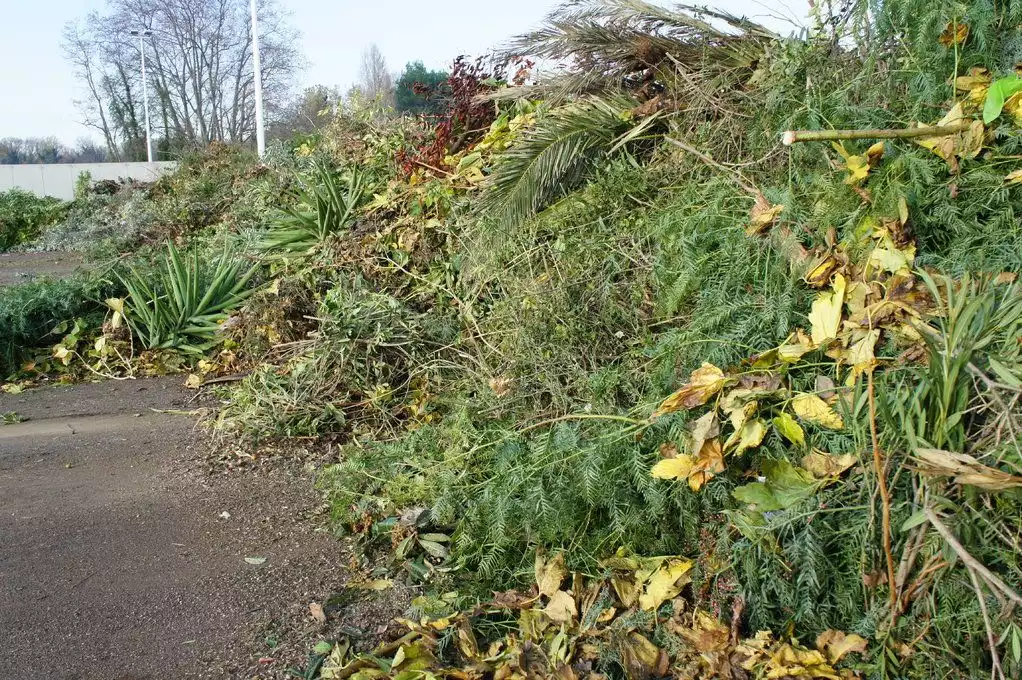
316 609
954 34
825 316
550 574
704 382
707 463
965 470
255 560
378 584
861 355
561 608
706 427
665 583
322 647
812 409
749 436
763 216
835 644
1014 177
673 468
824 465
785 486
789 428
821 272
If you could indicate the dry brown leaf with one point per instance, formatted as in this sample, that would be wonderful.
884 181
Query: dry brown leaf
823 465
561 608
316 609
763 216
704 382
550 573
955 33
965 470
708 463
835 644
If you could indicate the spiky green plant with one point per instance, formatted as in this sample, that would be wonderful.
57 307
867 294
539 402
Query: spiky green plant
329 207
182 302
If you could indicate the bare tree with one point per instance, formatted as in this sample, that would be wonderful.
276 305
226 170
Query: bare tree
375 81
199 59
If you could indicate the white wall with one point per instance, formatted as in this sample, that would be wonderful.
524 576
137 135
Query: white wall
58 179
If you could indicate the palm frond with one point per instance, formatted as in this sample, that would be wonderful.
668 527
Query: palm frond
613 44
555 156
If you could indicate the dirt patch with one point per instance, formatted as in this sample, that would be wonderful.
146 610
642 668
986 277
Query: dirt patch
122 558
18 268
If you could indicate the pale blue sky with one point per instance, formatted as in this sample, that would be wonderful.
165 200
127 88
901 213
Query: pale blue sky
37 90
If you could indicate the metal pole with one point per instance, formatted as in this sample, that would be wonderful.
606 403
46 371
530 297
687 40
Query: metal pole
145 98
260 131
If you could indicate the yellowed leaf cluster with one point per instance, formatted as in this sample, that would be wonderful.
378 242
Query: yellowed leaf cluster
967 144
569 625
858 166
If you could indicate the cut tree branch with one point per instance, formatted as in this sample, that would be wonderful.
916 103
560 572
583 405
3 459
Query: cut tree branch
795 136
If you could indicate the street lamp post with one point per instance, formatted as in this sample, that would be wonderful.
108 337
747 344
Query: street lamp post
142 35
260 130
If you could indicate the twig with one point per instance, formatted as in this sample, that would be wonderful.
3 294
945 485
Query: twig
795 136
885 499
224 379
738 177
992 579
995 659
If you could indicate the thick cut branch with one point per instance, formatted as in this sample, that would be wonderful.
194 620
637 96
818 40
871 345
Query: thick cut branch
795 136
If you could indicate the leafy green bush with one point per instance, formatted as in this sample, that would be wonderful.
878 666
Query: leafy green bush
23 215
30 313
356 371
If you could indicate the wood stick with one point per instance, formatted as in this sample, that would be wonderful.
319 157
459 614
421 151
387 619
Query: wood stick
735 174
795 136
988 576
885 500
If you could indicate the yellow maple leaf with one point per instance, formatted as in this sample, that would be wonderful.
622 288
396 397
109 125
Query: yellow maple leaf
762 216
749 436
708 463
861 355
549 573
561 608
1014 177
955 33
822 271
823 465
835 644
665 583
789 428
788 660
704 382
674 468
812 409
825 316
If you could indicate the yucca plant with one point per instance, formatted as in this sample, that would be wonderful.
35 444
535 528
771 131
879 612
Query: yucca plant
328 208
183 302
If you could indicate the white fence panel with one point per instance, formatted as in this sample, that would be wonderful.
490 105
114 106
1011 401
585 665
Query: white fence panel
58 179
